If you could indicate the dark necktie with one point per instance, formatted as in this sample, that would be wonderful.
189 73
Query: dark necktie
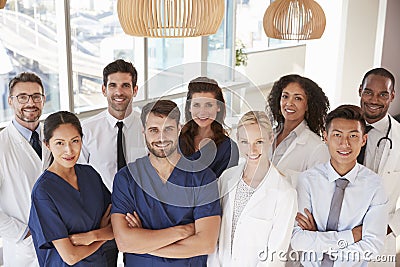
361 156
334 212
120 149
35 143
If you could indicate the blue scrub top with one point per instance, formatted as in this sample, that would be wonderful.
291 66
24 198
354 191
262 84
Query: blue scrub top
219 158
59 210
187 196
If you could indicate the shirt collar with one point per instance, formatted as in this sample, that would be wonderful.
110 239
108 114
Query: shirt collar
300 128
381 125
333 175
128 121
296 131
25 132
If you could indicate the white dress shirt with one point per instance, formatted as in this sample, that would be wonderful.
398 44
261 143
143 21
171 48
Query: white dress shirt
373 153
364 203
100 143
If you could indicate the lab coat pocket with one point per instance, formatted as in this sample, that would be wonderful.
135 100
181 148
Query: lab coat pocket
27 241
25 251
259 232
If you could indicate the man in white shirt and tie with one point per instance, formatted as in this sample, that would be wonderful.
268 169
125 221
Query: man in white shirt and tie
382 155
342 204
114 137
21 157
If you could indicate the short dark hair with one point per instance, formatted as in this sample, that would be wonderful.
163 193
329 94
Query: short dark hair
162 108
120 65
348 112
379 72
24 77
55 120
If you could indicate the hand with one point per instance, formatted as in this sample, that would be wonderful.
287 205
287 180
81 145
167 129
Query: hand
306 222
106 219
28 234
357 233
133 220
82 239
188 230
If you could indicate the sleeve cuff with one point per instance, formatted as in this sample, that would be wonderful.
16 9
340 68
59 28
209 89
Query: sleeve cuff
345 238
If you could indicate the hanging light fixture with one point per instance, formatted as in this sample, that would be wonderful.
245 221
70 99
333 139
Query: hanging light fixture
2 3
170 18
294 20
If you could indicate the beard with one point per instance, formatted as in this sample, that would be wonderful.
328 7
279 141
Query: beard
30 118
160 152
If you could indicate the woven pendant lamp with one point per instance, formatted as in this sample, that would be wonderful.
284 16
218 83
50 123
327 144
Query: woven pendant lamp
294 20
2 3
170 18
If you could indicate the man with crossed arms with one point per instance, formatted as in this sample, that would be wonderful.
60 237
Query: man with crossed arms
165 208
342 204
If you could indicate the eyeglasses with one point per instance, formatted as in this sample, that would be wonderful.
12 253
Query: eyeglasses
24 98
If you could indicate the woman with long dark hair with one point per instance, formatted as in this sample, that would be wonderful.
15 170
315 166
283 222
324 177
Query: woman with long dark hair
70 211
298 106
204 137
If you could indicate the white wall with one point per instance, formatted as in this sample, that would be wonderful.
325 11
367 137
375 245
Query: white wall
267 66
391 48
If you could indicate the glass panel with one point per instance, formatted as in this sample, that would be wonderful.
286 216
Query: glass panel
28 26
220 43
97 39
249 26
165 58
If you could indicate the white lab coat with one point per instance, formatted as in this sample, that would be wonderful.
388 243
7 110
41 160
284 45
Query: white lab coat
389 170
20 167
265 224
304 152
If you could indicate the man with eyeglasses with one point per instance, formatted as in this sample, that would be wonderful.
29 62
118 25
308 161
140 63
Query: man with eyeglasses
21 157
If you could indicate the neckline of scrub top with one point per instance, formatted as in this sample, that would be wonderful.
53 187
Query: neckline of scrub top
159 179
69 185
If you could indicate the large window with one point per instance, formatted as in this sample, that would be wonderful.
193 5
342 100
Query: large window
249 26
29 42
68 43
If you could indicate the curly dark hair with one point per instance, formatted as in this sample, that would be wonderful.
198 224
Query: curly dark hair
317 102
190 129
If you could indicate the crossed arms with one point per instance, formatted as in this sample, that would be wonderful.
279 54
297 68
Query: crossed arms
181 241
79 246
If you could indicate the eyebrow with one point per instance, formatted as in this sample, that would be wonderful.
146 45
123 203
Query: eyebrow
340 131
294 94
59 139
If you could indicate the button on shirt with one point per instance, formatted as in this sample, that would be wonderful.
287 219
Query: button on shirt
364 203
100 143
373 154
284 145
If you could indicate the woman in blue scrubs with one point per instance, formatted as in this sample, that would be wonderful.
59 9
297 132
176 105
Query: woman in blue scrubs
69 218
203 137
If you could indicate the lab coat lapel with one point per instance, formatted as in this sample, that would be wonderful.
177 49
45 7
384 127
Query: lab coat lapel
388 161
268 184
300 140
20 141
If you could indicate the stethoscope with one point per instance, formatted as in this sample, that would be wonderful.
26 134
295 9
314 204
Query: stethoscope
387 135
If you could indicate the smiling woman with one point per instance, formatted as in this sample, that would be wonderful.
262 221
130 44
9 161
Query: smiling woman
203 137
72 231
298 106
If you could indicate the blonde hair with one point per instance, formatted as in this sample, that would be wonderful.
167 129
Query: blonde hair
256 117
